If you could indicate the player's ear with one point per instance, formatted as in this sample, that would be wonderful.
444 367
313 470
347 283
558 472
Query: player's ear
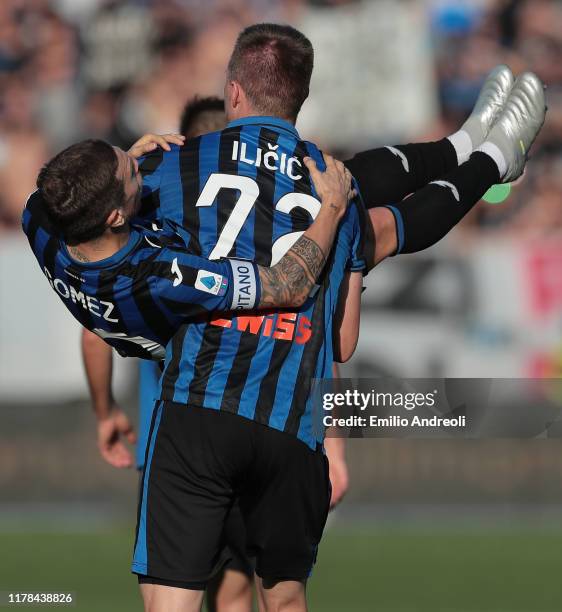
115 219
236 94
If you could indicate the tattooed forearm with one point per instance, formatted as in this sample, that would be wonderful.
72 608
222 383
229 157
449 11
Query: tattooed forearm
289 282
311 254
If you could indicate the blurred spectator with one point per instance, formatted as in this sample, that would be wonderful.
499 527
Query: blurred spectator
117 44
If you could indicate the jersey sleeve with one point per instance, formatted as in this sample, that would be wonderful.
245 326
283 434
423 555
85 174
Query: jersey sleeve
188 280
151 167
34 214
355 217
162 190
37 226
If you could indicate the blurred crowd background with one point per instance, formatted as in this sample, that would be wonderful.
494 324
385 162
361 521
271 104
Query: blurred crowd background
485 302
114 69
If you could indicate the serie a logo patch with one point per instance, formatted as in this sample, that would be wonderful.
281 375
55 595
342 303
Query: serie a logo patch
211 282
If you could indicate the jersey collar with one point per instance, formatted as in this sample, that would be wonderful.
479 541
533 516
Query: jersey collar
274 122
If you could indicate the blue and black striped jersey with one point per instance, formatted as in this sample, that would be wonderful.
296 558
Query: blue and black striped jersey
245 192
137 298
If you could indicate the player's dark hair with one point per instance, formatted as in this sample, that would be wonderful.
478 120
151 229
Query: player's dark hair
273 64
80 189
201 115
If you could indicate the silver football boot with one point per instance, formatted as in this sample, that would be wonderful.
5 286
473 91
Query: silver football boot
518 125
490 103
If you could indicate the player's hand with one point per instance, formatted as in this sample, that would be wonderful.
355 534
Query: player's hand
339 479
334 185
147 143
111 431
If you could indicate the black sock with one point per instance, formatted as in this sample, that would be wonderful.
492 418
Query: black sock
430 213
388 174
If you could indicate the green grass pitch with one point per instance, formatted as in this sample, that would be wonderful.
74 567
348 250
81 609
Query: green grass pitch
359 569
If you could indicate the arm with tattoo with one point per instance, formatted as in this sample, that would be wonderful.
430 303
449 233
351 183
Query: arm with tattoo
289 282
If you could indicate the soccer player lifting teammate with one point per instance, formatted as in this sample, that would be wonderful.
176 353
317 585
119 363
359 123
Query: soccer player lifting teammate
256 443
232 585
235 412
119 292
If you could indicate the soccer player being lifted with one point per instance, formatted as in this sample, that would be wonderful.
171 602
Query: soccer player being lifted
234 420
134 283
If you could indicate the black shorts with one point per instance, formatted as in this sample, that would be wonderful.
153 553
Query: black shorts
199 463
233 556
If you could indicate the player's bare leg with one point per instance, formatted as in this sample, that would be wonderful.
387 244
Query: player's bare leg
230 592
146 594
173 599
281 596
